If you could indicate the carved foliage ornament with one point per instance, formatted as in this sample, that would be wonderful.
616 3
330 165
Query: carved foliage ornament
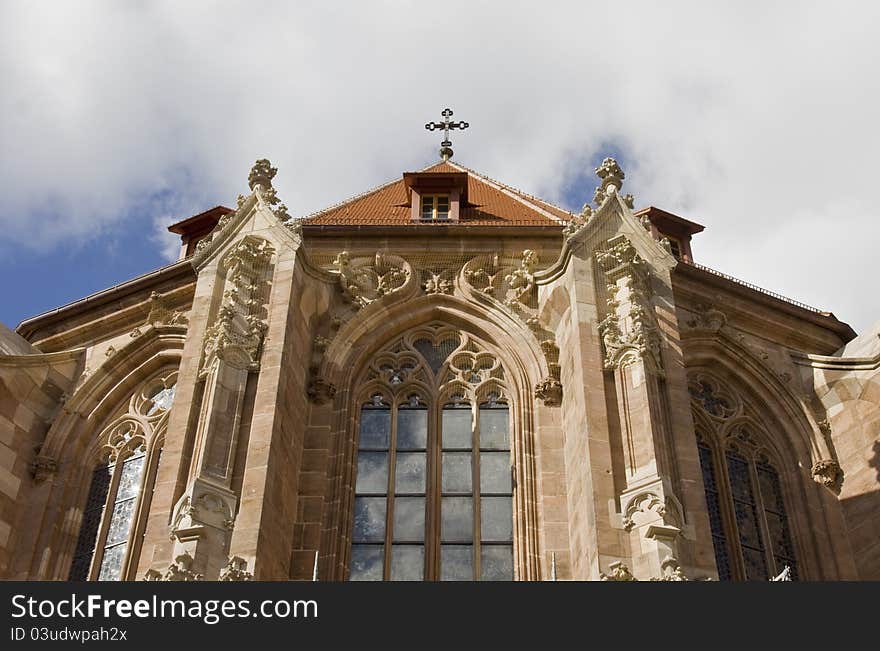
828 473
610 182
236 335
629 331
366 280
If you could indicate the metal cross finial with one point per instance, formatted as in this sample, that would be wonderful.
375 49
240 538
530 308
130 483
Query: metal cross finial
447 126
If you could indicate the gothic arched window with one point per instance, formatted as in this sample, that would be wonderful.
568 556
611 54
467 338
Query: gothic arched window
747 515
121 485
433 489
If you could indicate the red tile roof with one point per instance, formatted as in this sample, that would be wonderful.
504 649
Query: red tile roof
489 204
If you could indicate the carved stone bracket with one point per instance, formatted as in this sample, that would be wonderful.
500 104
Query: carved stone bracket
236 570
320 391
648 507
549 390
828 473
42 468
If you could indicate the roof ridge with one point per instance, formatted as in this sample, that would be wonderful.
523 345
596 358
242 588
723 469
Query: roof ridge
523 197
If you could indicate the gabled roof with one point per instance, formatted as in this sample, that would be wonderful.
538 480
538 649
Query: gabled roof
489 203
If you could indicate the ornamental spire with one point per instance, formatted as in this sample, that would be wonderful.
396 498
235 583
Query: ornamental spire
447 126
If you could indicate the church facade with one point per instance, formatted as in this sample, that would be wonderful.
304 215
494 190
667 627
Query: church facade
441 379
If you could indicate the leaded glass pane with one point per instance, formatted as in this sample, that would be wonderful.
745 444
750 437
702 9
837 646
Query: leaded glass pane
746 514
496 519
407 562
719 542
410 473
111 564
130 478
120 521
375 428
366 562
457 472
162 400
777 522
495 474
457 433
456 563
369 519
372 472
88 531
456 519
412 429
494 429
409 519
436 355
496 563
755 563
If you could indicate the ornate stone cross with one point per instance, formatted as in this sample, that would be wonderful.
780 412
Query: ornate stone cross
447 126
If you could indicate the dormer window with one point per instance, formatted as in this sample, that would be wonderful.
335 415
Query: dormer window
675 247
435 206
436 197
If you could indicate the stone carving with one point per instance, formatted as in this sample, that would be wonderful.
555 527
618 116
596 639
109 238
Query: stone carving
181 569
670 571
319 391
366 280
784 575
42 468
236 336
611 180
578 221
619 572
236 570
262 174
435 283
549 390
522 280
161 313
646 506
707 317
629 331
828 473
484 275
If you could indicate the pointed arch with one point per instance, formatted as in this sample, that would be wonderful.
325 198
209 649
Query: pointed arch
368 333
79 438
781 425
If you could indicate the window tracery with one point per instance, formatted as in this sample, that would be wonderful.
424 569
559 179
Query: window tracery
127 456
433 487
744 497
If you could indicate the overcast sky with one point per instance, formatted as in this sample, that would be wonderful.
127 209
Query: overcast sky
758 120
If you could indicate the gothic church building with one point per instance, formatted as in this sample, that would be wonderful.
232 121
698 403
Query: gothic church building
441 379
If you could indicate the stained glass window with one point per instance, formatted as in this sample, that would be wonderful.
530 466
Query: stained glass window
109 515
750 532
713 504
394 498
91 522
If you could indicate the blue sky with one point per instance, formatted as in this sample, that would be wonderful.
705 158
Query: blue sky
119 118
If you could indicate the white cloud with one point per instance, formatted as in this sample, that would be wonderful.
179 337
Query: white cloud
756 120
